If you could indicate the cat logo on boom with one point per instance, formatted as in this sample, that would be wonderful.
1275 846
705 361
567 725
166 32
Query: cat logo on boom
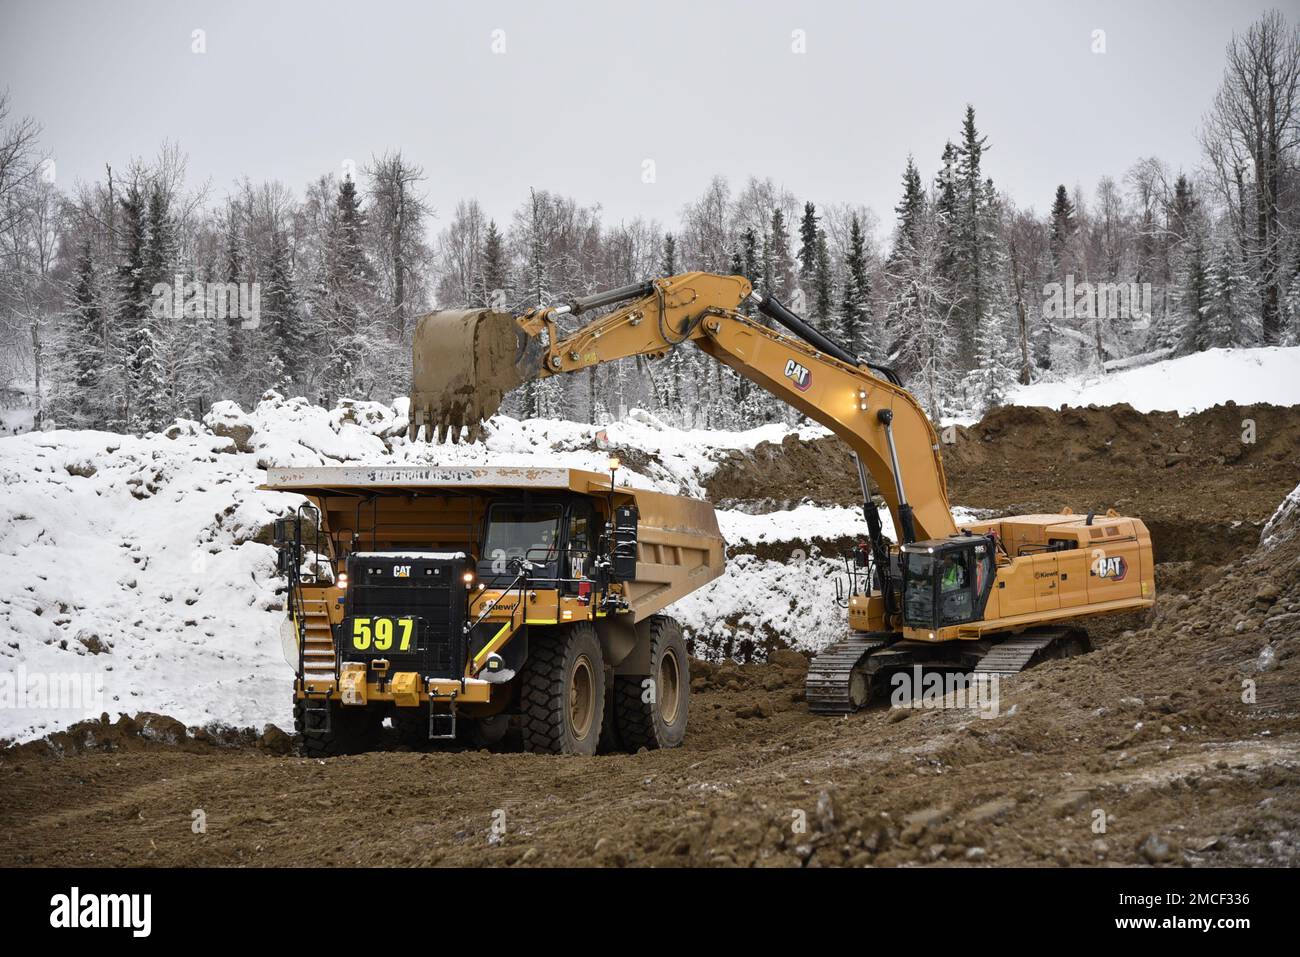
797 374
1112 569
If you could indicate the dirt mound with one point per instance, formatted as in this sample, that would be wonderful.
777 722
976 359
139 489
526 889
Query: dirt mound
1204 483
145 731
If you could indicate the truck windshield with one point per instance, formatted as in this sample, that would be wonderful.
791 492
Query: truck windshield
530 532
918 590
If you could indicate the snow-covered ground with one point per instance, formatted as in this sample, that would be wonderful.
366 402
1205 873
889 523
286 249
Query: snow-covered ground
1190 384
132 581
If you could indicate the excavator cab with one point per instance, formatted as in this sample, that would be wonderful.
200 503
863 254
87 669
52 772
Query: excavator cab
947 581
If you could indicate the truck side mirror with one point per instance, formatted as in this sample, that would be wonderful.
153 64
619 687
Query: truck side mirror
624 541
285 531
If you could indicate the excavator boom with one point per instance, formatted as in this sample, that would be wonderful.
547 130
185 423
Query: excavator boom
466 361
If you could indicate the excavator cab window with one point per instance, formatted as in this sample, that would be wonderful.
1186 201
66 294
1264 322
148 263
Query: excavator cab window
946 582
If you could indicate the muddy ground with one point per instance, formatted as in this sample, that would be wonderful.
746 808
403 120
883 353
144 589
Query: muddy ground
1179 735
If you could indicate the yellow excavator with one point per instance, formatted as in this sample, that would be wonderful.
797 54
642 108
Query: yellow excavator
990 597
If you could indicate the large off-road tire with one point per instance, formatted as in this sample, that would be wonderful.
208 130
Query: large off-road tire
653 714
562 692
351 731
610 742
483 734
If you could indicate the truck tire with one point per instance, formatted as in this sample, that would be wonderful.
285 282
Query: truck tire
483 734
661 721
610 742
562 692
351 731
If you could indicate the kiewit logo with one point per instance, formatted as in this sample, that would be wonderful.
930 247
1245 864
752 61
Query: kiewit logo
1113 569
797 374
103 910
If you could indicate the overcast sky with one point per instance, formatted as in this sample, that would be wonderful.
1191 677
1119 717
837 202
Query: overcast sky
585 93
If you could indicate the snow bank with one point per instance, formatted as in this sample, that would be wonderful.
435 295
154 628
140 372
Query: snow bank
137 575
1186 385
806 522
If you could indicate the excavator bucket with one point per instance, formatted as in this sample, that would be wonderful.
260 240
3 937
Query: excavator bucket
464 361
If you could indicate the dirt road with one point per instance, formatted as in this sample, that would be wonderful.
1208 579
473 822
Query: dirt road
1176 741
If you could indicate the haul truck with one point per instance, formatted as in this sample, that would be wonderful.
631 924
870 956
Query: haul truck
993 597
451 600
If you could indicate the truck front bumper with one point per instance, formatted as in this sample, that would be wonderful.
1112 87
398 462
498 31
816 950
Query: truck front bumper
405 689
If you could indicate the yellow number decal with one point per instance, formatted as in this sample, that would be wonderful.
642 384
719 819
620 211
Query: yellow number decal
379 633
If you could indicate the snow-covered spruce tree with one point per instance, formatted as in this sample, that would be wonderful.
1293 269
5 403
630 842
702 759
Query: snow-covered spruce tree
1192 298
823 289
910 214
919 312
281 328
1063 228
344 307
860 336
1232 312
135 344
82 362
910 209
992 378
808 233
496 272
233 271
973 235
781 280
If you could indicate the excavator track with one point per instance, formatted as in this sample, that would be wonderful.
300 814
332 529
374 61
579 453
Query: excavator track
839 679
1014 655
836 682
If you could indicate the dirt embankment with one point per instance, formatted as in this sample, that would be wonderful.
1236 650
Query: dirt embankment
1204 483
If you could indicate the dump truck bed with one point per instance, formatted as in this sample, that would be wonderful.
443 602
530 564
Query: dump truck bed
679 549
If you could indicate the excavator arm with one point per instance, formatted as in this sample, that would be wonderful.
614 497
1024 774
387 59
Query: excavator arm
466 361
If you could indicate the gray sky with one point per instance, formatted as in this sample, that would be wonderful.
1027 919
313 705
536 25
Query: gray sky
585 92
